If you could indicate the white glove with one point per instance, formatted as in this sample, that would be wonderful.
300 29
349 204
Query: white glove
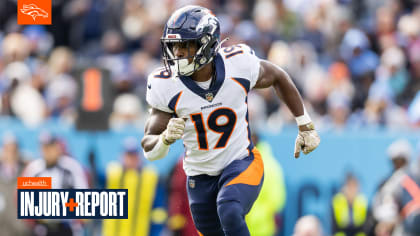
306 141
174 130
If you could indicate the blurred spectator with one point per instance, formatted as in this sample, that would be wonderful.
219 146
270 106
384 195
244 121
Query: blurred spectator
390 82
340 94
115 59
7 13
413 85
180 221
405 205
349 209
308 74
278 54
335 20
409 202
65 172
409 29
384 206
312 31
141 64
262 219
392 73
308 226
146 209
40 41
15 47
265 16
385 25
21 99
338 108
69 22
12 161
128 112
123 36
11 166
61 87
414 110
362 62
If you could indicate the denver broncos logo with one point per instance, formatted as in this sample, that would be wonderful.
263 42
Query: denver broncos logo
34 11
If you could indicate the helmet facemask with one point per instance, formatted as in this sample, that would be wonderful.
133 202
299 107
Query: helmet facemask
182 66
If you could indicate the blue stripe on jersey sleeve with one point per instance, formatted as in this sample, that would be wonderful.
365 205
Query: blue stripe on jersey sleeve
244 82
172 102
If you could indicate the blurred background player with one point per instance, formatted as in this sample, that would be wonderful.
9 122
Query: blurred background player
180 221
147 213
65 172
349 209
308 225
265 217
384 205
12 163
402 201
408 198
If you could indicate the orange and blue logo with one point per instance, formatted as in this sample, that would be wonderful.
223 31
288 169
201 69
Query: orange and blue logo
34 12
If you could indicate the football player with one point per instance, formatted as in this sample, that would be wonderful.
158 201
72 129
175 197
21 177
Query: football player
200 96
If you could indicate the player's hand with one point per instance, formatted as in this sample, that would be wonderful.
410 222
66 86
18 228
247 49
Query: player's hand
174 130
307 139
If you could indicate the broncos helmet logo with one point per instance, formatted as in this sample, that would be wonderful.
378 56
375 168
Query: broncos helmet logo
34 11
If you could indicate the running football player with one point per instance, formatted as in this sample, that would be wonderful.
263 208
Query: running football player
200 96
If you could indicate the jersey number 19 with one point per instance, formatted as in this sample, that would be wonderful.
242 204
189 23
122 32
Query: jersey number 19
225 129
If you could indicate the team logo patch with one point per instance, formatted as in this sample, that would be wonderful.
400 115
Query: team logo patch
209 97
34 12
191 183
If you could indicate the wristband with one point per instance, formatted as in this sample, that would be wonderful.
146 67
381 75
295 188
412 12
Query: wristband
159 151
303 119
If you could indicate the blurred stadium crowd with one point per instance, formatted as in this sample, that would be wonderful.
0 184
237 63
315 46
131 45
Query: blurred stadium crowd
356 64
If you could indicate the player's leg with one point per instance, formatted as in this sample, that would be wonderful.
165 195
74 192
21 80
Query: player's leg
240 184
202 194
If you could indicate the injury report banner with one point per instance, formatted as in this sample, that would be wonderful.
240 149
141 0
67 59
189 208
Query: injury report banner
36 201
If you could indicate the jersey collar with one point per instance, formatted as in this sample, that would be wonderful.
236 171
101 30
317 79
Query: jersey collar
208 94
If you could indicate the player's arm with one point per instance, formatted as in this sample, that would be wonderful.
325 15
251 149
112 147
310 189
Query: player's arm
160 132
271 75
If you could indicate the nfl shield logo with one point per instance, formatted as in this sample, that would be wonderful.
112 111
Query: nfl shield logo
209 97
191 183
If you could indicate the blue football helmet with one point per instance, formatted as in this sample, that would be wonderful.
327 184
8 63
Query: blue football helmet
190 25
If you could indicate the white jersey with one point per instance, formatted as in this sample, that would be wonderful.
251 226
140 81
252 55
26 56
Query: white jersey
67 173
216 132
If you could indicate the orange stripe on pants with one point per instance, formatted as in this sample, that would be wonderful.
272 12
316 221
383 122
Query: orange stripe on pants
253 174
